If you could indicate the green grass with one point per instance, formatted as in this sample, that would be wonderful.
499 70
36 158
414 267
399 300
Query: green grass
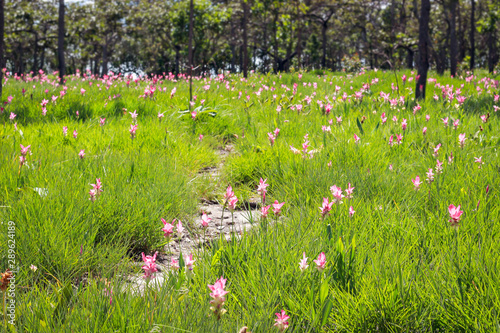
397 265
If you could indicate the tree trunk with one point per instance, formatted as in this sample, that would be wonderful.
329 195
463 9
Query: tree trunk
409 58
2 25
423 49
35 54
472 32
190 52
491 51
177 59
105 57
233 49
60 42
324 27
245 38
453 38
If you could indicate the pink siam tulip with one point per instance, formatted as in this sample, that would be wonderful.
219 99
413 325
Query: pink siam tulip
356 138
303 263
200 137
455 123
149 266
424 130
261 189
65 130
102 121
277 207
229 194
12 116
179 228
282 321
25 150
430 176
461 140
132 130
190 263
265 211
436 150
75 134
337 194
174 264
445 121
348 191
427 117
168 229
339 120
416 182
404 124
326 207
271 138
81 154
161 115
479 161
484 118
204 220
450 158
351 211
455 214
439 167
133 115
391 140
218 293
232 203
320 262
399 138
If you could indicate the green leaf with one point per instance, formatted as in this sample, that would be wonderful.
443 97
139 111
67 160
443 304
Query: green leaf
359 126
327 308
323 291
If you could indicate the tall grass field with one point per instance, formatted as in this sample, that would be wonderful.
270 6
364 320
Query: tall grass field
373 211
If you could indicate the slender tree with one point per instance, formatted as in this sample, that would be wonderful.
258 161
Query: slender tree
453 37
245 38
2 24
60 42
190 52
472 31
423 48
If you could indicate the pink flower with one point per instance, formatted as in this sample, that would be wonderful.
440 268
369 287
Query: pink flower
132 130
229 194
320 262
204 220
461 139
455 214
180 229
174 264
161 115
44 103
277 207
75 134
190 262
436 150
479 161
217 293
430 176
172 93
22 160
455 123
445 121
200 137
303 263
339 120
356 138
484 118
25 150
450 158
427 117
261 189
326 207
337 194
149 266
193 114
232 203
281 321
102 121
81 154
12 116
424 130
265 211
168 229
391 140
399 138
416 182
271 138
351 211
348 191
439 167
82 91
404 124
133 115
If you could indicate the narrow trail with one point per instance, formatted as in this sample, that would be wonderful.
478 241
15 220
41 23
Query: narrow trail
195 238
